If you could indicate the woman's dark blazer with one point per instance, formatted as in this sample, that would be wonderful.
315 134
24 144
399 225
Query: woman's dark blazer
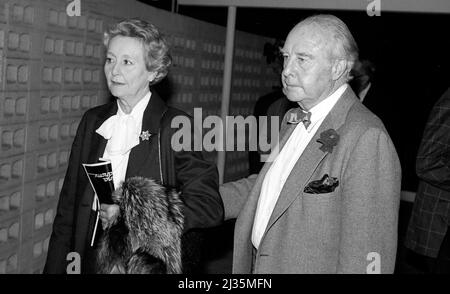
195 177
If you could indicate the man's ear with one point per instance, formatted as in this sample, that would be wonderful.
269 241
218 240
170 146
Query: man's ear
339 68
151 76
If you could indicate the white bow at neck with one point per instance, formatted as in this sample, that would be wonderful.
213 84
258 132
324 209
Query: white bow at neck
122 130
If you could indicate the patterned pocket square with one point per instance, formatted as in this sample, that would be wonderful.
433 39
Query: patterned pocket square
325 185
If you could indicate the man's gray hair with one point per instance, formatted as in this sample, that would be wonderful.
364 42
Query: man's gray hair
330 23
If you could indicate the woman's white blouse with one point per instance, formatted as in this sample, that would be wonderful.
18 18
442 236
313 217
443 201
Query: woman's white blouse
122 132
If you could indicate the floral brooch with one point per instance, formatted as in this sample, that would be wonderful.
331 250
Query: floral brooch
145 135
328 139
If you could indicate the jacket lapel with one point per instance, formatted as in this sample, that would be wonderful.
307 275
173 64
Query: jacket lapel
244 223
96 149
249 209
311 157
150 122
300 174
98 143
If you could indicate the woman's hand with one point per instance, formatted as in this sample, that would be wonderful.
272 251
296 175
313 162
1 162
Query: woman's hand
109 214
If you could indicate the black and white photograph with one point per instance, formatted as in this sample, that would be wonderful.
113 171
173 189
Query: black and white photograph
224 137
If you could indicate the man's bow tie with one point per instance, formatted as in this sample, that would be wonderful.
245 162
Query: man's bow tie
297 115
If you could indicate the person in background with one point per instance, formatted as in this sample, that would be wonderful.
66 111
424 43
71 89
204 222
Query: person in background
362 77
428 233
128 132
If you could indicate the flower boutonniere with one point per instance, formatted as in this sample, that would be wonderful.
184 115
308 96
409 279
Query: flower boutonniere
328 139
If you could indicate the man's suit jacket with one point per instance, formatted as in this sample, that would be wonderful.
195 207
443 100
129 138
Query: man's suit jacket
430 217
196 178
333 232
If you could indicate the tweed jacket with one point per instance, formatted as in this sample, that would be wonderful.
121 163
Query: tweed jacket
430 217
343 231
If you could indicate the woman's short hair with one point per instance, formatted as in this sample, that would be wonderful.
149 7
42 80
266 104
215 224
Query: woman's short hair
156 54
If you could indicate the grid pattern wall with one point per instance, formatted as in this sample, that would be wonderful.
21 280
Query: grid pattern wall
51 72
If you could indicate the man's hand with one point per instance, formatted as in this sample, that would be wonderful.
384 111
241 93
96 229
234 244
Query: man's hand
109 214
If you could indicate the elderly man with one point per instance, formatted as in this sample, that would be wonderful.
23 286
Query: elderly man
329 201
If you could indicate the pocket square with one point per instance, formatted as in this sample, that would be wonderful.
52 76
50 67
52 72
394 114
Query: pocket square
325 185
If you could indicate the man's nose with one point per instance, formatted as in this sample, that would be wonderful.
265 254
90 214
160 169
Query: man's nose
287 68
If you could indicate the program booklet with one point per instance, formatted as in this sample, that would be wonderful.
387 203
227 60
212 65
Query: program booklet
101 178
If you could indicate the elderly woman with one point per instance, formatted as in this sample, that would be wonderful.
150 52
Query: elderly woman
127 131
